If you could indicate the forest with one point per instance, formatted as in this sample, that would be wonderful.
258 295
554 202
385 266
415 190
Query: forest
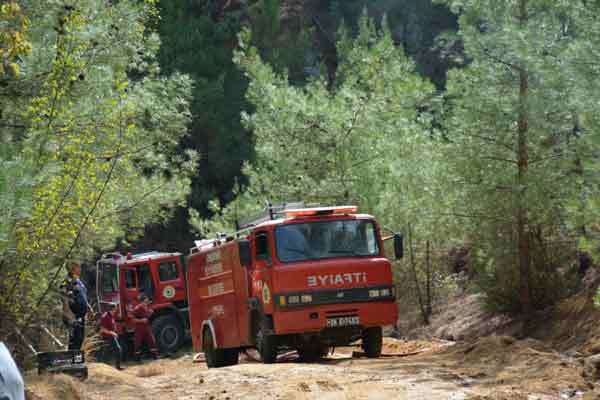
469 126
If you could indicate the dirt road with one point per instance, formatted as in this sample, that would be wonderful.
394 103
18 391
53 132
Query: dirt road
341 377
494 368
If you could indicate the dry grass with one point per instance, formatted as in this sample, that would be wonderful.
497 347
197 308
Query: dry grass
393 346
150 370
92 344
55 387
104 374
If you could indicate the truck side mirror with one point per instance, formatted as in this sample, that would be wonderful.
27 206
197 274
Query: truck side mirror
398 246
245 255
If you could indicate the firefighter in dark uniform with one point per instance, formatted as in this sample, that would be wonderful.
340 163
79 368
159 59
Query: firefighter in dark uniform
75 306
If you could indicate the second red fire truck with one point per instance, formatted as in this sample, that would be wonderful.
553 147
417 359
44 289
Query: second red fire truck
292 278
161 276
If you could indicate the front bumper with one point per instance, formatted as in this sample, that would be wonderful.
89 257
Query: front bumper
313 319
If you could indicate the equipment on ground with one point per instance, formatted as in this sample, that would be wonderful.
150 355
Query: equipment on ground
70 362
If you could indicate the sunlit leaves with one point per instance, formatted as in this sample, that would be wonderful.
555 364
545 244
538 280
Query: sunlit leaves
95 130
13 40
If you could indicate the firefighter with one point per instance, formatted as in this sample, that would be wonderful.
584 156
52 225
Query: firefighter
108 331
75 305
143 330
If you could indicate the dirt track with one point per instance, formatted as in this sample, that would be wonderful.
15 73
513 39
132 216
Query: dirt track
341 377
492 368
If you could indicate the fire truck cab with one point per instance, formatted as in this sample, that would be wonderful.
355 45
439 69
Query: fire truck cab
294 278
161 276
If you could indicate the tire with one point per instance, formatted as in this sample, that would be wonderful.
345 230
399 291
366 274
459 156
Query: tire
372 341
214 358
168 332
312 352
217 358
267 347
230 356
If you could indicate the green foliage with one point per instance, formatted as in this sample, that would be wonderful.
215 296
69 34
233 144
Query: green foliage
283 43
219 89
13 40
95 128
297 38
583 50
332 145
551 276
499 180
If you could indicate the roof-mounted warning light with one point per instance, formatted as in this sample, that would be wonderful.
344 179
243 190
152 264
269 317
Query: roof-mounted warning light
304 212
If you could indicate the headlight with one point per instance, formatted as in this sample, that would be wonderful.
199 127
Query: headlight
384 292
306 298
293 299
374 293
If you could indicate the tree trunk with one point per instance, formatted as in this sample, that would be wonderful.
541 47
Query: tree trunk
428 291
523 165
415 275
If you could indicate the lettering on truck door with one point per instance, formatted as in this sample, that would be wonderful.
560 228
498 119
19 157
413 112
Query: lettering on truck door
217 292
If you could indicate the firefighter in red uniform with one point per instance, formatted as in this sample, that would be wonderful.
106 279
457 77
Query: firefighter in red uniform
108 331
143 329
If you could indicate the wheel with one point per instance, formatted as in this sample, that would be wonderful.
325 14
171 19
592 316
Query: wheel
230 356
312 352
216 358
267 347
372 341
168 332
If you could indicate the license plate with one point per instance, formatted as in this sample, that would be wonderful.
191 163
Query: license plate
342 321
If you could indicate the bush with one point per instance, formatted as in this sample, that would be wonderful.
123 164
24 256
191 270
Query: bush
551 275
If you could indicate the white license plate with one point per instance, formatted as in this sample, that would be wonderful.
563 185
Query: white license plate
342 321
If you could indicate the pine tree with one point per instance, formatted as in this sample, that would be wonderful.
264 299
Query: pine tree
511 151
340 143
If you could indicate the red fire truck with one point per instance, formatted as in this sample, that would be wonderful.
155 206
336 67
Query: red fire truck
292 278
161 276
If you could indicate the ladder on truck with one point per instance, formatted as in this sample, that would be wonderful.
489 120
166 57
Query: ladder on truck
243 225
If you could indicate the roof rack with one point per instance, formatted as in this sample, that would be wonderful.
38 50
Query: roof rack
146 254
243 225
114 256
269 213
221 238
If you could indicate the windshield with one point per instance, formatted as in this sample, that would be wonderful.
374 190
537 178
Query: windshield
110 278
327 239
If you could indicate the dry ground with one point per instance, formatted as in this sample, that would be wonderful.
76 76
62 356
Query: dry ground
494 368
480 367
